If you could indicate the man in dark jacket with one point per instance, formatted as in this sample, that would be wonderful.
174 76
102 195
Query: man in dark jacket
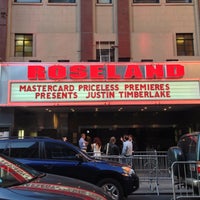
111 148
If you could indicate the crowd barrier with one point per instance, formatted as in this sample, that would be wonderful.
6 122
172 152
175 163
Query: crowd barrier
185 180
150 166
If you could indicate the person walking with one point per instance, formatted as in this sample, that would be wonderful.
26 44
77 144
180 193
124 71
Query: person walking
96 147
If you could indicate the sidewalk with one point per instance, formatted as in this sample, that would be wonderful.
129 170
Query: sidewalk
163 186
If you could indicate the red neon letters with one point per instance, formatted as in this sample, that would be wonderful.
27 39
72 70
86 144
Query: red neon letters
109 71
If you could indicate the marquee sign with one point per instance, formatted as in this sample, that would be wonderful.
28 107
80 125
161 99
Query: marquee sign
66 92
52 84
106 71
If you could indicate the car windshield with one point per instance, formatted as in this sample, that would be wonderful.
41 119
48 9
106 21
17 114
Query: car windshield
15 173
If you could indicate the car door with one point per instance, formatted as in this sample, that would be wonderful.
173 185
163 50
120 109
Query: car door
60 159
188 145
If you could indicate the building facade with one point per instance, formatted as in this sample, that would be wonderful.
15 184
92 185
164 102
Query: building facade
94 30
96 54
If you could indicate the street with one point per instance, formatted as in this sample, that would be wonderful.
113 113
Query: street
153 191
150 197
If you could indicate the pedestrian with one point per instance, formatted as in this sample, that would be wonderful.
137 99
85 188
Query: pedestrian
82 142
127 149
111 148
133 143
89 142
96 147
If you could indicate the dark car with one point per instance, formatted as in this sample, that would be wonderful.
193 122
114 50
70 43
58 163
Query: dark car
187 156
63 158
18 181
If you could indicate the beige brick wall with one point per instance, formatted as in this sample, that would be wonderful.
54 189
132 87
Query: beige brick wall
57 31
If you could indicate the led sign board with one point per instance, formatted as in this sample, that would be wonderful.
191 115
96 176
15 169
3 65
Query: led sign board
65 92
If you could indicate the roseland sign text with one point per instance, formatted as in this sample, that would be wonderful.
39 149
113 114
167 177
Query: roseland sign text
109 71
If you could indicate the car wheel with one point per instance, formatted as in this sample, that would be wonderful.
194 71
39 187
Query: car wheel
112 188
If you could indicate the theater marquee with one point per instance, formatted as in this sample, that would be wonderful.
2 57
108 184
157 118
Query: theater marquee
37 92
102 84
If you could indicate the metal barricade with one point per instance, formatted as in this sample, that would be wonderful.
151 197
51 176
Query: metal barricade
185 180
151 166
146 166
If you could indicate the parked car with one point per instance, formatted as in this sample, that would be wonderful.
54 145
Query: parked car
63 158
187 153
18 181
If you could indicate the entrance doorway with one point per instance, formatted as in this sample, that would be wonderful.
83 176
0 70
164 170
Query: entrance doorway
145 138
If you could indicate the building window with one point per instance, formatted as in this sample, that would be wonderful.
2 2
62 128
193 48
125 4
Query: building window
104 1
62 1
28 1
23 45
105 51
178 1
146 1
185 45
